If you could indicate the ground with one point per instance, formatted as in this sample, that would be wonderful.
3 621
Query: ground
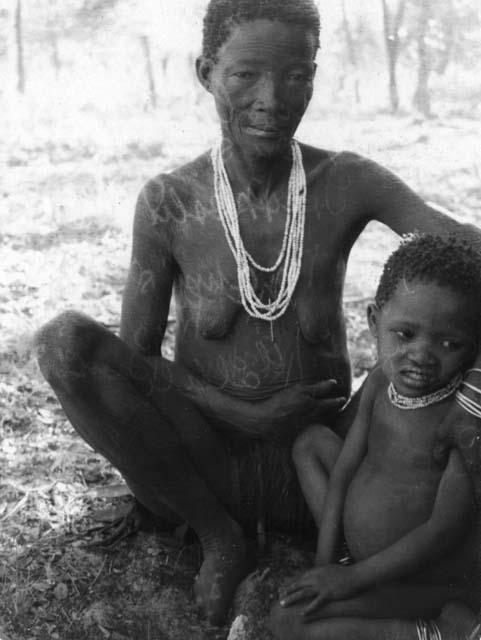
64 242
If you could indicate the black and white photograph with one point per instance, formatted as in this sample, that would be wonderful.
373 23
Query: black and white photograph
240 320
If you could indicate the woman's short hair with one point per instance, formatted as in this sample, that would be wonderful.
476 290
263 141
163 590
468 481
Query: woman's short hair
222 15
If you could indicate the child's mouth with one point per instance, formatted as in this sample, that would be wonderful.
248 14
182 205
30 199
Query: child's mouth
417 379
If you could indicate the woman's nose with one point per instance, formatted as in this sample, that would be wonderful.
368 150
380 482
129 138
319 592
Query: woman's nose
270 94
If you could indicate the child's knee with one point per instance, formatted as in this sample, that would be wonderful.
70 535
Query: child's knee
308 443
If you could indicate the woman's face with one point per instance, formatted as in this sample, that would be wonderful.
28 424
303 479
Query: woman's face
262 84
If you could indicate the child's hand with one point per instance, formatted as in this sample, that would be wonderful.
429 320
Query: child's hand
323 584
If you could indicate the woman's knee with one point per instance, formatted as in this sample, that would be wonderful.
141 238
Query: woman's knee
65 346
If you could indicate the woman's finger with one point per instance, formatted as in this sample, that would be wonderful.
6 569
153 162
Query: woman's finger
322 404
321 389
331 402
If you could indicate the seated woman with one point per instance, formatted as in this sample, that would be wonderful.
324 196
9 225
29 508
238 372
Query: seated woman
399 492
253 239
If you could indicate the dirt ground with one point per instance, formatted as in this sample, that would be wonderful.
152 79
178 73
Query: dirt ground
62 245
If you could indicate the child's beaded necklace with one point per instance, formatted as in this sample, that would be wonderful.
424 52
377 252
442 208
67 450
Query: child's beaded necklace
418 402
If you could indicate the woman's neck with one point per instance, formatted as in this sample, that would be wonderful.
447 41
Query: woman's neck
254 174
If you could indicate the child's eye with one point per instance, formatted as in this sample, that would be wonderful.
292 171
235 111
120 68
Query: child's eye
451 345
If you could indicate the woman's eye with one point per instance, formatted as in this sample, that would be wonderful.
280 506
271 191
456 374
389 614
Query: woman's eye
404 334
244 75
299 77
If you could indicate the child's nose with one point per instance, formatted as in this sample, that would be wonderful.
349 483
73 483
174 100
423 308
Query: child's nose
422 353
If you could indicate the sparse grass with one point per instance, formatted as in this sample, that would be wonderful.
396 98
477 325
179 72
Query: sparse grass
64 242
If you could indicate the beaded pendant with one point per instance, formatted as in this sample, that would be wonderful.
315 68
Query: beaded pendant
418 402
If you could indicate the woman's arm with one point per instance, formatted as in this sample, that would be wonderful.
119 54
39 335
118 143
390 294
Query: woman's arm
148 290
278 418
384 197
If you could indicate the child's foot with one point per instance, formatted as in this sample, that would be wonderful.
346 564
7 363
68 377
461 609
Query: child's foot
458 622
226 562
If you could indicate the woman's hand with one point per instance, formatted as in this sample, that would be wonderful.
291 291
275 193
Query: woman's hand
320 585
291 409
463 430
279 418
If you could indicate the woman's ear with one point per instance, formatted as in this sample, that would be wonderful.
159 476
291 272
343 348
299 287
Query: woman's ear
373 312
203 68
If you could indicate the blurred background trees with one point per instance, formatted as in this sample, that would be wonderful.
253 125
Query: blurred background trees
388 54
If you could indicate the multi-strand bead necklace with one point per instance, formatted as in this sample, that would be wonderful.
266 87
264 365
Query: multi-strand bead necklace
418 402
290 255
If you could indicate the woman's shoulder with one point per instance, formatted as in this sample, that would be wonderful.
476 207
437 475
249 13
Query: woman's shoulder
340 160
176 188
182 179
193 172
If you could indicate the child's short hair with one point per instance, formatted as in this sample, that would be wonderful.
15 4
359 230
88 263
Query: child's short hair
447 261
222 15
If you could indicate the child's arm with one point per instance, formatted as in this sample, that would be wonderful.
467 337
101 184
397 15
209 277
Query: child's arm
453 511
352 453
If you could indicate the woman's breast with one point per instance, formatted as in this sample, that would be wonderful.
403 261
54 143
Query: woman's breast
219 341
250 357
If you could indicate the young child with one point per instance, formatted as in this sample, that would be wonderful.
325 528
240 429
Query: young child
399 495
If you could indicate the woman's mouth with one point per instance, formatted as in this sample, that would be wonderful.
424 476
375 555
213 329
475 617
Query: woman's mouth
264 132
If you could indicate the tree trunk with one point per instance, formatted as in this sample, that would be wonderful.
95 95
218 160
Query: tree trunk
164 63
149 70
55 58
421 98
449 35
391 40
19 48
351 51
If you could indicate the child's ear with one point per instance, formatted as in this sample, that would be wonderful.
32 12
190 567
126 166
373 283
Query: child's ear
203 68
373 318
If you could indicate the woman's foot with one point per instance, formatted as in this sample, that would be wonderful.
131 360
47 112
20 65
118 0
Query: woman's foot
227 560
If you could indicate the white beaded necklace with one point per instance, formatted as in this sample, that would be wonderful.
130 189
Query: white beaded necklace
292 243
418 402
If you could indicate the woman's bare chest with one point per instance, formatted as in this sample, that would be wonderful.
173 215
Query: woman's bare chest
208 275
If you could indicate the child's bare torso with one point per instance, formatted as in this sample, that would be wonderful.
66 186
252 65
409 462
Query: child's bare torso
395 486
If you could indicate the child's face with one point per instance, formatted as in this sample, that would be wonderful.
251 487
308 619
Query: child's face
425 336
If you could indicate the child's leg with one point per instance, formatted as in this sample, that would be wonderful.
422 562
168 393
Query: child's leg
315 453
